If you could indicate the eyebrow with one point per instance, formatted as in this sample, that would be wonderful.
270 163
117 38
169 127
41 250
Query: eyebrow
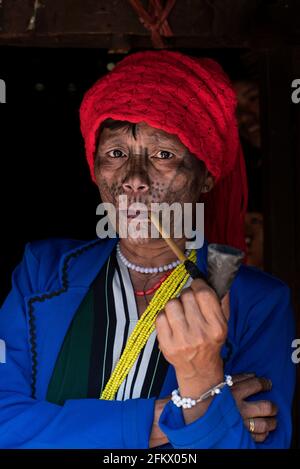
112 141
153 140
166 140
159 136
250 89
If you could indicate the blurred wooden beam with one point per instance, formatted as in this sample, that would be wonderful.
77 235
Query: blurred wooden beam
195 24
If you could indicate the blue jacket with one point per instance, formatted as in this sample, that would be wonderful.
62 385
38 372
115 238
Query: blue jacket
48 286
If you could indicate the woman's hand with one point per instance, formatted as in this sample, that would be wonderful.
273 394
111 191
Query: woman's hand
245 385
157 437
191 331
262 413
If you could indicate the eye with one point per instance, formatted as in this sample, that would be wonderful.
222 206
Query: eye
253 98
116 154
164 155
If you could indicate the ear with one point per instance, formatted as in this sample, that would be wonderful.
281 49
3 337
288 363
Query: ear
208 182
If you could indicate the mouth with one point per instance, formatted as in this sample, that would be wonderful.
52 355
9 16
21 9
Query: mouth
131 213
253 128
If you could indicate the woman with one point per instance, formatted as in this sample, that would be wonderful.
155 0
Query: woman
159 128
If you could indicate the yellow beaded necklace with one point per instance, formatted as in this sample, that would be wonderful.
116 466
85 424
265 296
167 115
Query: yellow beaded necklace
145 326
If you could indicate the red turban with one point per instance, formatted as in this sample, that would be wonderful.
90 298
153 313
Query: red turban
193 99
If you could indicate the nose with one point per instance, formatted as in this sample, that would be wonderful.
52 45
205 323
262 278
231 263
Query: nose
135 184
246 118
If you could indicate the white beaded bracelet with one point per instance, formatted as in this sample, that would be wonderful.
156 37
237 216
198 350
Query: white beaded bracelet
188 402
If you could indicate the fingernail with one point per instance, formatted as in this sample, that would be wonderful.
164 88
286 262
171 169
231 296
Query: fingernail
270 384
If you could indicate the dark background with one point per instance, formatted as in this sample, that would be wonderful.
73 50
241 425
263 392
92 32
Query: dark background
45 186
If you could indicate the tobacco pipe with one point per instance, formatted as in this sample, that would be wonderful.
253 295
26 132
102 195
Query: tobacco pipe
223 262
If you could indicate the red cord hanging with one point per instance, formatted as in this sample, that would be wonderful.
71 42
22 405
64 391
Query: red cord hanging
155 20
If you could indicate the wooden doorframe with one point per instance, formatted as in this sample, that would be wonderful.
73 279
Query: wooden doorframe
280 123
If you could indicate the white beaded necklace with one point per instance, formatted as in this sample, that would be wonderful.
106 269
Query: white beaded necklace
148 270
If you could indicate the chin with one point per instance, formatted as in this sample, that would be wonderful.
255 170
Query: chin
138 241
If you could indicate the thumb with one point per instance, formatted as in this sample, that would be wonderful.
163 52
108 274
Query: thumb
225 304
242 377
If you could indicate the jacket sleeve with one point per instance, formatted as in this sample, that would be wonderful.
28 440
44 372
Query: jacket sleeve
30 423
265 348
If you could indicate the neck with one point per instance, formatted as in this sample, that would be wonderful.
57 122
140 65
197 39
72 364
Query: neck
153 253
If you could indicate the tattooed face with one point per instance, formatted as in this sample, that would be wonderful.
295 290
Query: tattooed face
148 165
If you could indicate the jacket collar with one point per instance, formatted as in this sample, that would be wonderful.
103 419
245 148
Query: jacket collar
79 266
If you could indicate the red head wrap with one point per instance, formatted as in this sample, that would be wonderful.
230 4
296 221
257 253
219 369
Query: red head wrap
193 99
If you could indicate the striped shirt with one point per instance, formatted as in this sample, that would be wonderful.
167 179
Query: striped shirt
96 339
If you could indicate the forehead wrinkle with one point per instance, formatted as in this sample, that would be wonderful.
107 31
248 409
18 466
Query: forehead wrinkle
170 140
151 133
119 132
113 141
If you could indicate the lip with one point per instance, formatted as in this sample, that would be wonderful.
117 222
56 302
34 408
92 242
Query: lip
253 128
130 214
